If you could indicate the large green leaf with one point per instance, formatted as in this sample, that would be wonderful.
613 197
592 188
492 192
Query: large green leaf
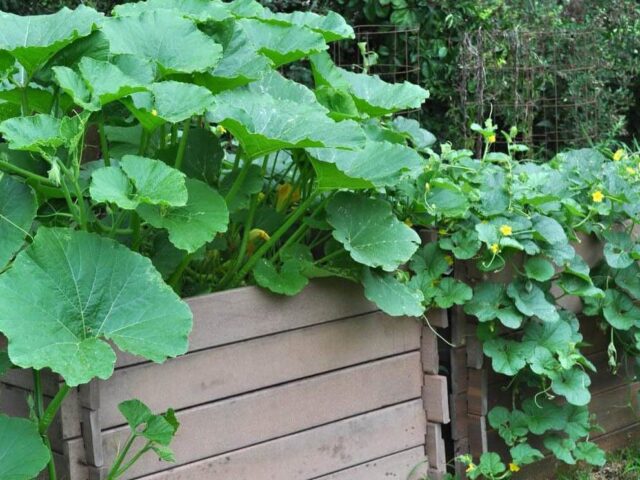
265 120
531 301
173 42
369 230
573 385
372 162
452 292
372 95
77 290
282 43
620 310
196 223
507 356
200 10
17 211
391 295
33 40
37 133
286 280
240 63
177 101
22 453
617 250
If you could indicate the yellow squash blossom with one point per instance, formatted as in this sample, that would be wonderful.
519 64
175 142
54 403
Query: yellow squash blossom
597 196
154 112
495 248
442 231
448 259
220 130
408 222
491 138
285 195
255 235
619 155
514 467
471 467
506 230
631 171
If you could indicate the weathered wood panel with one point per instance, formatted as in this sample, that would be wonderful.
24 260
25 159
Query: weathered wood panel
408 465
435 396
316 452
239 422
209 375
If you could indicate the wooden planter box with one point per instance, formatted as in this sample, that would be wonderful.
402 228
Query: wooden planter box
318 386
476 389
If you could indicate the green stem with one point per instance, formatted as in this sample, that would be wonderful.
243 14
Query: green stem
49 414
104 144
174 133
113 473
330 256
284 228
235 188
137 234
177 274
133 460
144 143
25 174
37 393
183 143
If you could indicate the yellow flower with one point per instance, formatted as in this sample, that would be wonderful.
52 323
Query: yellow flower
448 259
491 138
285 195
631 171
154 112
220 130
408 222
514 467
442 231
261 197
619 155
258 233
597 196
471 467
495 248
506 230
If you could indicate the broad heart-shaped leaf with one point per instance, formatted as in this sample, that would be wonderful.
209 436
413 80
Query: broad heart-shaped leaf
451 292
411 128
331 26
139 180
507 356
195 224
548 229
537 268
370 232
330 178
590 453
22 453
240 63
629 280
269 121
620 310
373 96
390 295
200 10
446 199
37 133
98 83
524 454
372 163
17 210
489 302
77 290
282 43
33 40
544 415
561 448
530 300
573 385
617 250
173 42
287 280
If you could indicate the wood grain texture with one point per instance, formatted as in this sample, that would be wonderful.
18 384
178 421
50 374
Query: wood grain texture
205 376
477 392
436 398
316 452
408 465
238 422
249 312
478 441
436 451
429 352
459 411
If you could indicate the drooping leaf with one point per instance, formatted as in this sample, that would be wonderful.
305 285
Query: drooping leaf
452 292
590 453
286 280
524 454
37 133
543 415
77 290
390 295
537 268
370 232
372 95
22 453
196 223
530 300
573 385
33 40
561 448
411 128
331 178
372 162
620 310
17 211
548 229
174 43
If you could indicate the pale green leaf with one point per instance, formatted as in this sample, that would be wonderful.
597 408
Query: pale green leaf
392 296
17 211
22 453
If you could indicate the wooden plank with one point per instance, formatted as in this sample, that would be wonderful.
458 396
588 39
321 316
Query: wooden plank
459 411
460 447
315 452
397 466
459 374
475 354
249 312
238 422
478 443
438 317
429 352
436 452
436 399
477 393
209 375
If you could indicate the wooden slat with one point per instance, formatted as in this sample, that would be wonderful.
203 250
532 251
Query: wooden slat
393 467
429 351
205 376
239 422
459 410
436 452
315 452
435 397
249 312
459 375
478 442
438 317
477 393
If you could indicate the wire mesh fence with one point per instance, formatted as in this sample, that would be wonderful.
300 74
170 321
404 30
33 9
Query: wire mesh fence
543 82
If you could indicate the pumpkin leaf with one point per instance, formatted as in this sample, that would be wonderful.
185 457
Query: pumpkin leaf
390 295
17 211
52 289
287 280
22 451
